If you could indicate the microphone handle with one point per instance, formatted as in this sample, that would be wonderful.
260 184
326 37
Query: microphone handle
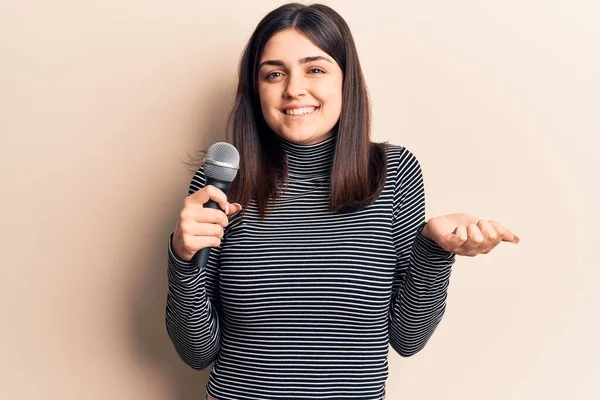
200 259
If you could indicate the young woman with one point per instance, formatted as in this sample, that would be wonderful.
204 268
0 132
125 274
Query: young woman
331 258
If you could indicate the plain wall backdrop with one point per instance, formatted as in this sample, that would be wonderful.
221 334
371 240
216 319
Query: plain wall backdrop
102 101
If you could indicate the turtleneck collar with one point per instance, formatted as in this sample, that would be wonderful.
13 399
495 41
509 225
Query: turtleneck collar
307 161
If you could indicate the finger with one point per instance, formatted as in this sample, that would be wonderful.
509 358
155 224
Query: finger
207 193
490 236
461 232
499 228
475 239
511 237
200 242
197 213
507 236
457 238
206 229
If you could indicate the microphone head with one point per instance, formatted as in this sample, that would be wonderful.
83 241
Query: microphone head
222 162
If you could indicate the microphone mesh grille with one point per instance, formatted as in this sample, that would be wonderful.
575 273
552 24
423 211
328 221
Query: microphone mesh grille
223 153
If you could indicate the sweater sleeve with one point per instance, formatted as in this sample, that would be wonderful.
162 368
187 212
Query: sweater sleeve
193 304
423 268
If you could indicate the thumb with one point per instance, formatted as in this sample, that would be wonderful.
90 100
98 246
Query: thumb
233 208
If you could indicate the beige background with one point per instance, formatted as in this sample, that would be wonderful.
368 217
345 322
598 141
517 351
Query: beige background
100 102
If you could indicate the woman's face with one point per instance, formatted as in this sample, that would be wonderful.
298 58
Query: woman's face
296 75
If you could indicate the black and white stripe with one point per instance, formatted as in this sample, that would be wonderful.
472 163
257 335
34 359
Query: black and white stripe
304 304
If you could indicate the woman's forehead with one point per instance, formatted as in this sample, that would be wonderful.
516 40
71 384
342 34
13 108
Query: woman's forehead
290 46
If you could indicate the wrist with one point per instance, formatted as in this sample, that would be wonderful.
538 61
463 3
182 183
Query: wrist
425 231
175 249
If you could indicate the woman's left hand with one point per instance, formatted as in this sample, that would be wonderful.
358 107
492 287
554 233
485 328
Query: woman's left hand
466 235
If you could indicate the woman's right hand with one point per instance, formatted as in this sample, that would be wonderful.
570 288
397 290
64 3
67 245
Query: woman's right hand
200 227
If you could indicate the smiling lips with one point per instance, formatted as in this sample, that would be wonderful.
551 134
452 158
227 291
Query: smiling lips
300 111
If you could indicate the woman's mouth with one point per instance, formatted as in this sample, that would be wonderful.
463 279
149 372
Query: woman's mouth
300 112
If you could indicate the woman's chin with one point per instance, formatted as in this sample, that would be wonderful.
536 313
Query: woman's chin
305 138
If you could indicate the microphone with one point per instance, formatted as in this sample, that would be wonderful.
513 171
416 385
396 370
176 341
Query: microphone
221 165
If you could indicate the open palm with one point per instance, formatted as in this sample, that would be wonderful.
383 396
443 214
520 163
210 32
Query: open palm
466 235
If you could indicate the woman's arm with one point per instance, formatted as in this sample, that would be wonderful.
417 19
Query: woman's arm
422 267
193 305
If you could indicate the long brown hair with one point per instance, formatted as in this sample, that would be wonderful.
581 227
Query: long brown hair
359 167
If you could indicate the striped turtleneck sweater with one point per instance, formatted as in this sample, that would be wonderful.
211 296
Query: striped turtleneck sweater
303 304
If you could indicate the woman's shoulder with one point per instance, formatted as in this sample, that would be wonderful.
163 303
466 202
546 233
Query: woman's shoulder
398 155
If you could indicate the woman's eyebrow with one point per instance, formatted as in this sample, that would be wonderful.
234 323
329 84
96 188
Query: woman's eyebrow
300 61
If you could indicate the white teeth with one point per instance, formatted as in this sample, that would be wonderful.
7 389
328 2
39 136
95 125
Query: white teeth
300 111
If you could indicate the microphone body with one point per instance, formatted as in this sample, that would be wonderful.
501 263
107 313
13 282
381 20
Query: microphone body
201 257
220 169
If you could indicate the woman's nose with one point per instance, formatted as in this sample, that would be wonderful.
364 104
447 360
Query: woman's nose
295 87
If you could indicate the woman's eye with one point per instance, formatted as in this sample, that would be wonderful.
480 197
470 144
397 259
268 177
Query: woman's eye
273 75
270 76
